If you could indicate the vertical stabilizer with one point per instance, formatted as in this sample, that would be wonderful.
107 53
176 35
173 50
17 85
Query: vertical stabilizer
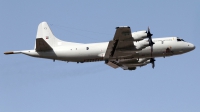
44 32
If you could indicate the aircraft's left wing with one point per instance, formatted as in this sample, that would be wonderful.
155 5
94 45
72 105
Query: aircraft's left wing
130 64
121 45
125 66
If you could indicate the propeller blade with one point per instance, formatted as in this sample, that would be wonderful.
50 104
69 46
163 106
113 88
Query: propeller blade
153 65
152 61
149 33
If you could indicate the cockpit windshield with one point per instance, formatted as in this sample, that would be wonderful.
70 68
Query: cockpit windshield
178 39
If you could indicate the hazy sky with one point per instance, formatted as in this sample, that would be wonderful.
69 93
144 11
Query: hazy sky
39 85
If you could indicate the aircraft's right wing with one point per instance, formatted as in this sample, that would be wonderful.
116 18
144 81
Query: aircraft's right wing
122 52
121 47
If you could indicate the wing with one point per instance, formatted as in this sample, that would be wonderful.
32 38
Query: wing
121 51
131 64
121 47
122 44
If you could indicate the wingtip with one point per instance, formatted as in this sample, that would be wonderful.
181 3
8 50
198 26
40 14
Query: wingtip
122 27
10 52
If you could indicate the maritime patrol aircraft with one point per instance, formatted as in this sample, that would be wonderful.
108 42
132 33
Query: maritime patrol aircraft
126 50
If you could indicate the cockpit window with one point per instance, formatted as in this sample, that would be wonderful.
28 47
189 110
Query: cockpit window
179 40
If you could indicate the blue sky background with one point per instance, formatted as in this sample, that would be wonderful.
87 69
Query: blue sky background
39 85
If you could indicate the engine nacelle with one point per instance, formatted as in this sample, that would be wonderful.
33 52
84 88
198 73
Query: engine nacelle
141 44
145 62
139 35
142 60
131 68
134 63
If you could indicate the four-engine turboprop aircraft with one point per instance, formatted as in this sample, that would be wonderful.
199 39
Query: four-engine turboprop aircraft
127 50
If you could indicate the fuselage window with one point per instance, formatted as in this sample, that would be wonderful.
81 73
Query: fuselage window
87 48
162 42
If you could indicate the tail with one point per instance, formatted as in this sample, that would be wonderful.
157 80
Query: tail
45 40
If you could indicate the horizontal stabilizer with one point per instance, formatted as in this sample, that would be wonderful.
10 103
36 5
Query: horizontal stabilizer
12 52
9 53
42 45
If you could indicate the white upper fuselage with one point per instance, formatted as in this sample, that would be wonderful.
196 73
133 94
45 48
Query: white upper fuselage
77 52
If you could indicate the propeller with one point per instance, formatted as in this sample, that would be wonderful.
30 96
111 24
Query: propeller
150 40
152 61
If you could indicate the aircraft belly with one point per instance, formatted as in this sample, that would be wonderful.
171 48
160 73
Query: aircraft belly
77 55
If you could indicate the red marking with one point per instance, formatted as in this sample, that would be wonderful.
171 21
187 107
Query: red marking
168 50
47 37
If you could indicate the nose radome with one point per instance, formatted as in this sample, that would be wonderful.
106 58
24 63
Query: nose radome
192 46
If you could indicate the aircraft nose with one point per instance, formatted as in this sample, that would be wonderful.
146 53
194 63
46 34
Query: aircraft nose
191 46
